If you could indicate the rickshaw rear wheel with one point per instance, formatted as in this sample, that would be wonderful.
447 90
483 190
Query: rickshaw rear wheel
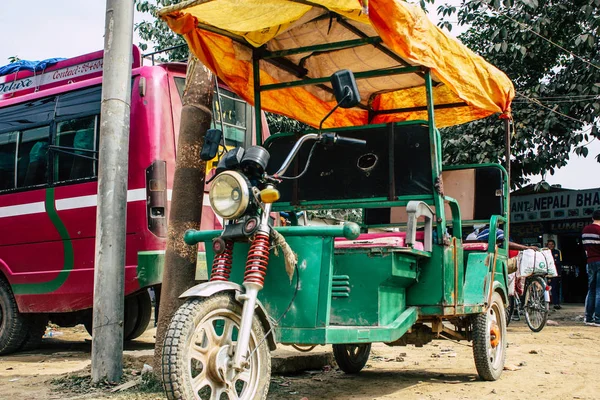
198 350
489 340
351 358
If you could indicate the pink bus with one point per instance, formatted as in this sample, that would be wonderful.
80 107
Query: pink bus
48 187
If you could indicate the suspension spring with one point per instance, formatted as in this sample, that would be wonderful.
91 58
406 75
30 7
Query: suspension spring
221 268
258 259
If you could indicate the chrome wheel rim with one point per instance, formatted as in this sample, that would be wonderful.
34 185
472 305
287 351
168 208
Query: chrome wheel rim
495 338
209 357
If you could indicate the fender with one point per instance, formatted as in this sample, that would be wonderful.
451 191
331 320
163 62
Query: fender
500 288
207 289
5 271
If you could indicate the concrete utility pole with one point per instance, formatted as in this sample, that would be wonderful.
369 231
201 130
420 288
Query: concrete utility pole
107 338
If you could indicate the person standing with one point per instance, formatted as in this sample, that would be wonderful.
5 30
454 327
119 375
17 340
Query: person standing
555 282
591 243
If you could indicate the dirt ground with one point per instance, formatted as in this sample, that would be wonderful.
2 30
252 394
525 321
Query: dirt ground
561 362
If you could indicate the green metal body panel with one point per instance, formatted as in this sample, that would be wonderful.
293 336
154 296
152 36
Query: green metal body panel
337 301
373 291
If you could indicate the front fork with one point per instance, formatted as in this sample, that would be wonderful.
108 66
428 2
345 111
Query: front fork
256 269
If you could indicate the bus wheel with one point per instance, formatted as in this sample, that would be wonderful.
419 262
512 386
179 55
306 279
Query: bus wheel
489 340
138 310
144 313
351 358
12 322
37 324
198 349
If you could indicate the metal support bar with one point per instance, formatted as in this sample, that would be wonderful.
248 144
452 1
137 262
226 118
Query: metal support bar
257 106
357 75
321 47
436 160
507 156
235 38
391 163
379 46
416 209
420 108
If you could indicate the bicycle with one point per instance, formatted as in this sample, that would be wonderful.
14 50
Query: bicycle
536 303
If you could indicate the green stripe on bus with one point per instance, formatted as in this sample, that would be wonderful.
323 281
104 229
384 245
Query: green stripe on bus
54 284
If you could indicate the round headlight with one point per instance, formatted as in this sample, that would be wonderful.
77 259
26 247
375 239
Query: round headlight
229 195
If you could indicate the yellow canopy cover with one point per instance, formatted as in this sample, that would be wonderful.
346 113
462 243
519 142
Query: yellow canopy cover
223 33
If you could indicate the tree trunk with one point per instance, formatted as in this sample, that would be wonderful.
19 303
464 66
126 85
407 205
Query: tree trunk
188 192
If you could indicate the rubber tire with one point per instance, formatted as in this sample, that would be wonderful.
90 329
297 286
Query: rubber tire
12 322
36 328
348 363
510 310
542 283
144 313
130 317
180 332
481 340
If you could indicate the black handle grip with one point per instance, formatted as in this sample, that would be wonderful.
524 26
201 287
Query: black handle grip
350 141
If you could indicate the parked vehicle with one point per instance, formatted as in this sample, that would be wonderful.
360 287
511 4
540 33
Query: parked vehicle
400 277
49 134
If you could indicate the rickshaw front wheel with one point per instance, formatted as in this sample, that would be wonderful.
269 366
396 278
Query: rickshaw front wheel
351 358
198 352
489 340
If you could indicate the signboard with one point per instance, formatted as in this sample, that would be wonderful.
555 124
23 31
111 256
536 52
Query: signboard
10 86
68 71
570 204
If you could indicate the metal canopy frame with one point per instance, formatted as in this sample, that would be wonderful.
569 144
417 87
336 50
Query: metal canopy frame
278 59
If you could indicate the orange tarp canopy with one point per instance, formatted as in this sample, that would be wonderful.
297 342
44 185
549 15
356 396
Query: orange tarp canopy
224 33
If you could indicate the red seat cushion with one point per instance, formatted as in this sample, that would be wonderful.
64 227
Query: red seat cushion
483 246
475 246
382 239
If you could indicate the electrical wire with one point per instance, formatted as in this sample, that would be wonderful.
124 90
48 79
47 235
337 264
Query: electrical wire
528 28
550 109
554 101
312 149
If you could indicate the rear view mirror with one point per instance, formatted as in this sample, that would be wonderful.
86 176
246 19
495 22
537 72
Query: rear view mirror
345 89
211 144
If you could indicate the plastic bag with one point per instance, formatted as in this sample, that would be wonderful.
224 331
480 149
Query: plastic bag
551 266
512 280
526 262
533 262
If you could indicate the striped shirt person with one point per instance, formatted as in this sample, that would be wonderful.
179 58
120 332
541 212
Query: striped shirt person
591 243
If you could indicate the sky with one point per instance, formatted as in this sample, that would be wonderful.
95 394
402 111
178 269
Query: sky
67 28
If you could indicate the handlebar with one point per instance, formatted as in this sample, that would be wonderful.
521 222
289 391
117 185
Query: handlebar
328 138
350 141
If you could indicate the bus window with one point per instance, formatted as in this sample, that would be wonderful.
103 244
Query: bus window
32 157
8 149
73 138
235 115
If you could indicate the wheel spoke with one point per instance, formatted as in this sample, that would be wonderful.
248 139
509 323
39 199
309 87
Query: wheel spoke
216 393
231 394
200 381
244 376
227 336
198 353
